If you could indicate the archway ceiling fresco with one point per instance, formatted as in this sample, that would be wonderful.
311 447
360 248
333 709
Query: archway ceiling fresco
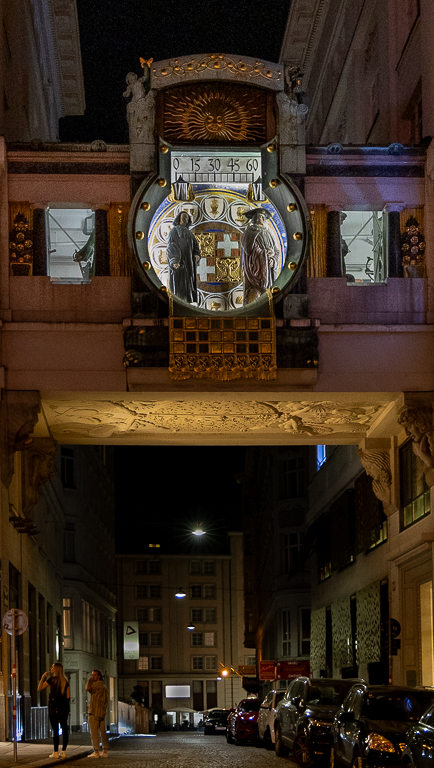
213 418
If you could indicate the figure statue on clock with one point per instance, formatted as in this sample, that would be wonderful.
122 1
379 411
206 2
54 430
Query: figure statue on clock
183 253
259 255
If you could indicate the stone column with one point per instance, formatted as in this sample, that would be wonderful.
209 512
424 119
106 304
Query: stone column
39 241
394 257
334 266
102 256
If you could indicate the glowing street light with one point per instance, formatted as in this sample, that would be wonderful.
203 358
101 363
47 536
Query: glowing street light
198 531
180 593
191 627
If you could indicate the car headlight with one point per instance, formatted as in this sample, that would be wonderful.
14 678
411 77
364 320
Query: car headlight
376 741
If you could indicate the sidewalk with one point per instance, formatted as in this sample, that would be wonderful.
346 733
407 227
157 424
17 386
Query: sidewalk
35 753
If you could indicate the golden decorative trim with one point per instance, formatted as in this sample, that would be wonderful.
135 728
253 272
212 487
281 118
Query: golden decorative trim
316 264
217 62
222 348
120 260
20 239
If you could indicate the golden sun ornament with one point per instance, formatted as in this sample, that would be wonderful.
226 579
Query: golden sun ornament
214 114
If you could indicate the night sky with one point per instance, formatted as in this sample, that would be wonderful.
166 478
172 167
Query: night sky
162 492
114 34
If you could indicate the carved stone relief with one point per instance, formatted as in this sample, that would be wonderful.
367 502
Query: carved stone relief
418 424
110 419
377 466
19 415
219 66
39 460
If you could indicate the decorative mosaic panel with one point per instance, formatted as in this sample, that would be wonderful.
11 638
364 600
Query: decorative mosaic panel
368 624
341 628
318 640
222 348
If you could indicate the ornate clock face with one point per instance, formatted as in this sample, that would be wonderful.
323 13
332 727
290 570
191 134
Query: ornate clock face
217 240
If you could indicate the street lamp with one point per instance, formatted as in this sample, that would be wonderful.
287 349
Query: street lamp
191 627
180 593
198 531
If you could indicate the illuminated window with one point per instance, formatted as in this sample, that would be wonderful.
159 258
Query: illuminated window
209 639
321 455
67 625
363 246
143 663
70 243
415 494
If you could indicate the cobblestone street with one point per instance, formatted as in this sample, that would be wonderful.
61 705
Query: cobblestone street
180 750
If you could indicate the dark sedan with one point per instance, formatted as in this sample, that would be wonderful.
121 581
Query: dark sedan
305 715
371 727
215 721
419 744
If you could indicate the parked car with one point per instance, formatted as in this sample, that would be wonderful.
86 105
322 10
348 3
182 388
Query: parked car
266 719
305 715
371 726
242 722
419 744
215 721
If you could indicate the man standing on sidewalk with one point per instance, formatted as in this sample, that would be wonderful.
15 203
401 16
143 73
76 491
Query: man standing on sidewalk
97 709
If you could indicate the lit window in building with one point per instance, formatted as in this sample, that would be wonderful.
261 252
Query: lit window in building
197 662
415 494
156 638
250 661
321 455
210 615
143 663
156 662
286 633
67 624
67 467
196 638
363 246
210 663
209 591
291 478
140 566
209 639
70 243
197 615
209 567
304 632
